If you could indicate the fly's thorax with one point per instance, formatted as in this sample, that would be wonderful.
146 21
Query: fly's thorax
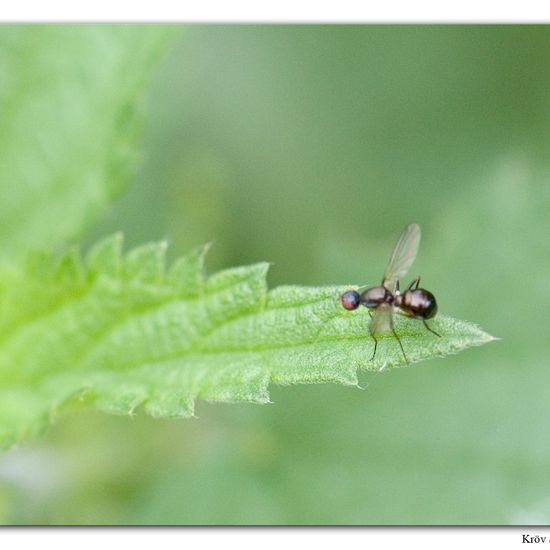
420 303
376 296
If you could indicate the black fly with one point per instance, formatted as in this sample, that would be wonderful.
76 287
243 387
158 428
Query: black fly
382 301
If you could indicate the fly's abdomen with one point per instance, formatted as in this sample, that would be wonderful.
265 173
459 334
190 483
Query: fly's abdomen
420 303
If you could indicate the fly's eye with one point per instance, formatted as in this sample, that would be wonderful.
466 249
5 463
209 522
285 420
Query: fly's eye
350 300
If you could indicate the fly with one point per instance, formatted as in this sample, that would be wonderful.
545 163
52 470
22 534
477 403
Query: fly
385 300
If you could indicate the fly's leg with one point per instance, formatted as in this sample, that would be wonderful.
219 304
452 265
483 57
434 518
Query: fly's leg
375 346
400 344
431 330
395 286
374 338
414 283
410 316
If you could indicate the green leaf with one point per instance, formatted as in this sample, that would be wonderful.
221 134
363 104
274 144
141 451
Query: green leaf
71 102
125 333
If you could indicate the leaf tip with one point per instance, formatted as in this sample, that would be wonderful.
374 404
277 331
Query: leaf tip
485 337
202 252
263 268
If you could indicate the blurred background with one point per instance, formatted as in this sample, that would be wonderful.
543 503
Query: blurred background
311 147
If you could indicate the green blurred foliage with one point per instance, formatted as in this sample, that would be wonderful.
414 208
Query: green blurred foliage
311 147
71 112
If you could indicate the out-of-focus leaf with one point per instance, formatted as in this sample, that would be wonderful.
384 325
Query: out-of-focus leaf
71 102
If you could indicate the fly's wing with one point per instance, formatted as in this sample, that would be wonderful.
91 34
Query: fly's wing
403 255
381 321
